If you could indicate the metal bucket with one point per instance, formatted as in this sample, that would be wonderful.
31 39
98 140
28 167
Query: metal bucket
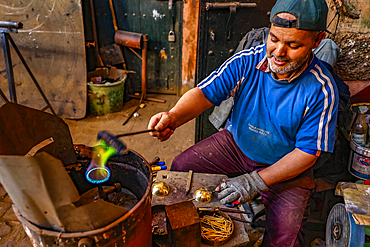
106 98
132 229
359 161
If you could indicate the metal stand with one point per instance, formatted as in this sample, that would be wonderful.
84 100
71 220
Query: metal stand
138 41
5 29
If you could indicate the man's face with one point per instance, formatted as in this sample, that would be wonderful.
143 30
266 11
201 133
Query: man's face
288 49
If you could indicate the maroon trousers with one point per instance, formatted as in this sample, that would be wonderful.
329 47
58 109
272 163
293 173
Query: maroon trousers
286 203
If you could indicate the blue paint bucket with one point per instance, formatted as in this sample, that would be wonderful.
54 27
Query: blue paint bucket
359 161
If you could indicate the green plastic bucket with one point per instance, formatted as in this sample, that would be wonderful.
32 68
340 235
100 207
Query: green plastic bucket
106 98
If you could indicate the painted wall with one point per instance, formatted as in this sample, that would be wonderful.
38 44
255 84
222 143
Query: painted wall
189 44
353 37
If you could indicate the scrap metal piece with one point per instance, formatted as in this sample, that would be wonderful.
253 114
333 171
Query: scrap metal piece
159 224
39 146
22 128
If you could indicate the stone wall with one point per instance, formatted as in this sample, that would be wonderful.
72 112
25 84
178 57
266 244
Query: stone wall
353 37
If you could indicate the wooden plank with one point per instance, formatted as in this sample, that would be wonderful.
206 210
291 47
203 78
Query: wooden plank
52 43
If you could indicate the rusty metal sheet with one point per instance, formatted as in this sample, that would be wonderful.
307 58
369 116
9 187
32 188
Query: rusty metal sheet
183 224
22 128
52 43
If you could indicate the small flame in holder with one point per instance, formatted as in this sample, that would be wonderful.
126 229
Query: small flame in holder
98 172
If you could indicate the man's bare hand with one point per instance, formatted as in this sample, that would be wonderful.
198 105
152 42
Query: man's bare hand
164 124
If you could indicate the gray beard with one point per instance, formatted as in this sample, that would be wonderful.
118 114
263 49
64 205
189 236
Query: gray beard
292 66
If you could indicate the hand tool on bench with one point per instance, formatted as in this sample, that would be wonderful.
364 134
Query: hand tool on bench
227 210
188 184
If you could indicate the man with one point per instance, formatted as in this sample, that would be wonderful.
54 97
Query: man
284 116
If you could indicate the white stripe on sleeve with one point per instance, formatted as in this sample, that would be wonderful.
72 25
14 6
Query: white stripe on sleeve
319 134
218 72
331 105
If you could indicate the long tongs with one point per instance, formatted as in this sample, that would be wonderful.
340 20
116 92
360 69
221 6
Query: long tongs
134 133
229 210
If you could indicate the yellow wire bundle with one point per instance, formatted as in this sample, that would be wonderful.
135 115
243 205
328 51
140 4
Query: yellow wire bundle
215 227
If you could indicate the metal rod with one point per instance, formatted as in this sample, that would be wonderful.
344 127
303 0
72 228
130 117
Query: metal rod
238 219
144 61
154 161
92 10
135 53
10 24
229 210
113 15
228 5
3 96
30 73
132 113
135 133
5 37
149 99
188 184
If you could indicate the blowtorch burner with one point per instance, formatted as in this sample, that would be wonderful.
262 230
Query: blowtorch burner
108 146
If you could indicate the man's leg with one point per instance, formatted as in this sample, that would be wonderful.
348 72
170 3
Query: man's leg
286 211
218 154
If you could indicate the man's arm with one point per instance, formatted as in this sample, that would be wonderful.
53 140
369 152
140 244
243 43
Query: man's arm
190 105
290 166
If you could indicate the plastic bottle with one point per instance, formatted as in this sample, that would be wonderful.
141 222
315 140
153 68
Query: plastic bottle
360 127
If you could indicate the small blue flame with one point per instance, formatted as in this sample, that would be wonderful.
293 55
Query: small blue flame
98 175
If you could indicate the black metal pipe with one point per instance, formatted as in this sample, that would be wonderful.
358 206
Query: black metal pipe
5 37
10 24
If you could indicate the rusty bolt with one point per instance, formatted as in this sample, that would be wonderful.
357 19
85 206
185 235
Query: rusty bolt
210 53
171 56
164 15
231 51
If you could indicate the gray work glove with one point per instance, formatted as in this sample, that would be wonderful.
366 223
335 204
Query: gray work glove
242 188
